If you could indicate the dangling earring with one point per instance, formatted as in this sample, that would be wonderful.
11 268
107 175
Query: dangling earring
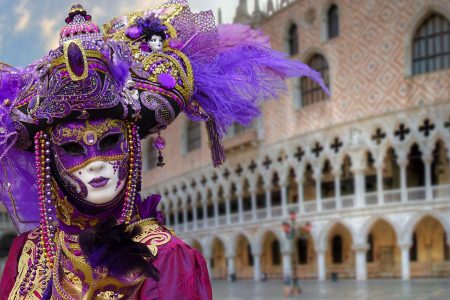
159 143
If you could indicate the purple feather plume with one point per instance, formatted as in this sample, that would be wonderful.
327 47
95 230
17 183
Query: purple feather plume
233 35
244 72
230 88
120 70
111 246
120 61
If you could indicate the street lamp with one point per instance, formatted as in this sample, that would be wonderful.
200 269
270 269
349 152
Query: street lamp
289 230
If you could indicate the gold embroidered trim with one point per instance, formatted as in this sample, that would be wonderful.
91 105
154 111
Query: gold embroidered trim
64 212
79 133
73 76
118 157
26 259
87 53
153 235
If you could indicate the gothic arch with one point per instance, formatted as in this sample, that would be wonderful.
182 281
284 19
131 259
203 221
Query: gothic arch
409 226
321 242
365 230
416 22
324 18
261 233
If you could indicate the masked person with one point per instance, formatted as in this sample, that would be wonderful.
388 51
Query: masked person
70 135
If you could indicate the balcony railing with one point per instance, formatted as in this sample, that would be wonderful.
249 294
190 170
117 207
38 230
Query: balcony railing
371 198
441 192
347 202
392 196
310 206
329 204
416 194
277 211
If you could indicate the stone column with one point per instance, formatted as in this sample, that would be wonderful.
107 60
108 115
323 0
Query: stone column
337 189
253 197
205 214
380 193
360 187
167 216
287 264
240 207
194 214
230 267
204 197
185 221
318 179
428 159
256 266
405 260
284 208
268 191
321 267
300 196
215 199
361 263
208 266
175 216
227 207
403 180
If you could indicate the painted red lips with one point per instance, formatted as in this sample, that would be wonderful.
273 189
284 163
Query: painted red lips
98 182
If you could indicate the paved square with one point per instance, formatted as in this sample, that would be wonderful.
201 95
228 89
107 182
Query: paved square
420 289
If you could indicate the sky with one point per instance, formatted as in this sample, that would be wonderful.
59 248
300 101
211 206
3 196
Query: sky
30 28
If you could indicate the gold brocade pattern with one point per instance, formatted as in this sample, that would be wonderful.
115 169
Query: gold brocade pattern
111 158
74 278
79 133
165 12
29 253
152 235
64 212
168 64
88 53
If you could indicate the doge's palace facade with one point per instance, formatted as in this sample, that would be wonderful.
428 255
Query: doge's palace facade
367 168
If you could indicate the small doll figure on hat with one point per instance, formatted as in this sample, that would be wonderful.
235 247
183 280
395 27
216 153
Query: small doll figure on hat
150 32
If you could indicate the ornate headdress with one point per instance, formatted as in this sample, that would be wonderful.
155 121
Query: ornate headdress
145 69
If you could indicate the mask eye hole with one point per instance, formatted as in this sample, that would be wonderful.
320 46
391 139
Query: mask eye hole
110 141
73 148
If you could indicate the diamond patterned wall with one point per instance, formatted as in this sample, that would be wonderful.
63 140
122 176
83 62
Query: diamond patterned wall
369 74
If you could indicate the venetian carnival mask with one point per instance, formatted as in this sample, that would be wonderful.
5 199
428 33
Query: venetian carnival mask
91 158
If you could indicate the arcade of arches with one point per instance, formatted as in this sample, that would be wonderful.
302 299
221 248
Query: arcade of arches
429 253
379 207
394 172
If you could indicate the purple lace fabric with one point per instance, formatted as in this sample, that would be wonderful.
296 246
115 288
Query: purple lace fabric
17 166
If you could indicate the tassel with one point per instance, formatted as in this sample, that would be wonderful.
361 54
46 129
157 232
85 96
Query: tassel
159 143
217 151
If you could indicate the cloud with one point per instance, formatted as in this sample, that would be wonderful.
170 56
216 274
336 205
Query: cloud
97 12
49 32
125 7
2 25
23 16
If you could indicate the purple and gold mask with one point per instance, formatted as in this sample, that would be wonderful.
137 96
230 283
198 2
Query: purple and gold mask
91 158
